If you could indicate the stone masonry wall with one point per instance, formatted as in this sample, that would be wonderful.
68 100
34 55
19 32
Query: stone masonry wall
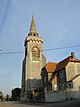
51 96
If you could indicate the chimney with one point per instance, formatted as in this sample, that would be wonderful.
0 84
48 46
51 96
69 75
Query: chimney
72 55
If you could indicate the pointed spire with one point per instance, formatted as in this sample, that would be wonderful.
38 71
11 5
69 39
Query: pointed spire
33 31
33 26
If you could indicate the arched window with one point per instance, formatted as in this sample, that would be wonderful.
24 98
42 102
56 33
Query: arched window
35 53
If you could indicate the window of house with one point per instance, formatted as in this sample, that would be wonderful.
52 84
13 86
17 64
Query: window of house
70 84
61 73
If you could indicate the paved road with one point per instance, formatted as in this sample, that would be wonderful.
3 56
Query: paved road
59 104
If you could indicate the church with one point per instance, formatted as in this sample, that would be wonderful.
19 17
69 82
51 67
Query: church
33 62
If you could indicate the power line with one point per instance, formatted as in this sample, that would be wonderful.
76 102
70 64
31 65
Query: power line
67 47
11 52
8 6
60 48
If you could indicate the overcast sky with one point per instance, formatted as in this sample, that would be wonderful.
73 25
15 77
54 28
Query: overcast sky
57 22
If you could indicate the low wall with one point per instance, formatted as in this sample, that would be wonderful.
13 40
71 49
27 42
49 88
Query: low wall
54 96
73 94
51 96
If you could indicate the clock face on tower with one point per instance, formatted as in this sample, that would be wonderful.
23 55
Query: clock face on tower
35 53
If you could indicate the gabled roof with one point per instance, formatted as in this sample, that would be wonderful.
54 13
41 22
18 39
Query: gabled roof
64 62
50 67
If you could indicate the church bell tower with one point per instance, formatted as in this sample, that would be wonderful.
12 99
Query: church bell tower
33 62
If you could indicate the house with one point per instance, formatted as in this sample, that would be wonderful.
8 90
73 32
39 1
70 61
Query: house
46 74
67 74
